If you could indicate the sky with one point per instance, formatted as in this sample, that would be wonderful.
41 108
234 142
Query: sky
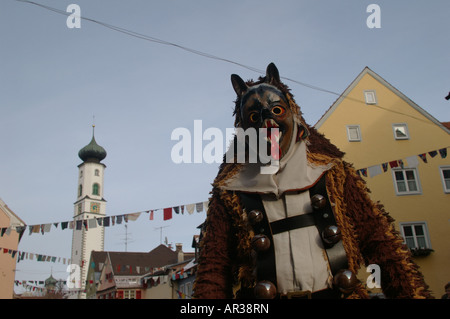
56 81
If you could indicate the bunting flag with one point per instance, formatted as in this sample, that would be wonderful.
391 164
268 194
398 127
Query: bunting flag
412 161
374 170
24 255
362 171
107 221
167 213
423 157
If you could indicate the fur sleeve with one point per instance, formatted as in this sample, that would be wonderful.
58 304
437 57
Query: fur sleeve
379 243
214 279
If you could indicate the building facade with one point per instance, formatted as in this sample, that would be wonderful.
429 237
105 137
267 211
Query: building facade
90 206
401 152
12 228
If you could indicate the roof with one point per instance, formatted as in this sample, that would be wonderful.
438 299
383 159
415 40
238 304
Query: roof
352 85
92 152
14 219
137 263
446 124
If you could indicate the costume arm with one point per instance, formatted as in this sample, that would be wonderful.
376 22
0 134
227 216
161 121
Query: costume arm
213 279
379 243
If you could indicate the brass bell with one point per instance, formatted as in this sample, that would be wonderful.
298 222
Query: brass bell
318 202
345 280
265 290
255 216
260 243
331 235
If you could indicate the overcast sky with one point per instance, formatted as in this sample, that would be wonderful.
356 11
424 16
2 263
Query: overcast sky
54 79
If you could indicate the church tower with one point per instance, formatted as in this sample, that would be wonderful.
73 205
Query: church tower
88 234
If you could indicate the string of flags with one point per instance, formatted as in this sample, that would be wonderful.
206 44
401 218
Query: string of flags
412 161
106 221
24 255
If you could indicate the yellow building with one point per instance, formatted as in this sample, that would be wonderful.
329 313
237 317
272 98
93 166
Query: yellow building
11 230
383 133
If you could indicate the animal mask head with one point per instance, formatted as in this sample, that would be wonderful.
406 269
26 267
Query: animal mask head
264 105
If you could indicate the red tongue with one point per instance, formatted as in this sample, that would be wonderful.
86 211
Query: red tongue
274 146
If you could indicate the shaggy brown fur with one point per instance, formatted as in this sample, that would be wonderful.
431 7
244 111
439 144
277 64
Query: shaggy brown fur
226 263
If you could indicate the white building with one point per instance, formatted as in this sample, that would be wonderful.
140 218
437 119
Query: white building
89 210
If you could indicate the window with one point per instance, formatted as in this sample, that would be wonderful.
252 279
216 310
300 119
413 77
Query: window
400 131
353 133
97 172
80 190
406 181
415 235
95 189
445 176
370 97
130 294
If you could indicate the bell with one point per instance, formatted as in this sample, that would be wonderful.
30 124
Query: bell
255 216
345 280
318 202
331 235
265 290
261 243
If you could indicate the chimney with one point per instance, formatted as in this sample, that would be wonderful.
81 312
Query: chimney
179 250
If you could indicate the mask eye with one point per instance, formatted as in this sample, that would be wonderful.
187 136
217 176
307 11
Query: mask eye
254 117
278 110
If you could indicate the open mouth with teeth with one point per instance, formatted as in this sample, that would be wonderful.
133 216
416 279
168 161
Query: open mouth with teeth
273 137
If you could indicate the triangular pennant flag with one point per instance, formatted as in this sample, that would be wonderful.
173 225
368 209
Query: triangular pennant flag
433 153
385 167
176 209
443 152
190 208
151 215
363 171
423 157
199 207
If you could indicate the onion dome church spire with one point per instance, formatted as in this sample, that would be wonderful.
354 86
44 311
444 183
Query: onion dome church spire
92 152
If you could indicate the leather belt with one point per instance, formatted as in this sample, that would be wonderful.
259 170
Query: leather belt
292 223
320 294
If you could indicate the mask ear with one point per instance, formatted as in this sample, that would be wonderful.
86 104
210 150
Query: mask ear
239 85
272 75
302 132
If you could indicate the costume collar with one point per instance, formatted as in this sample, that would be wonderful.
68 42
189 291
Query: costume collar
295 173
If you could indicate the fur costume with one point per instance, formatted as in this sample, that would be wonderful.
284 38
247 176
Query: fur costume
226 265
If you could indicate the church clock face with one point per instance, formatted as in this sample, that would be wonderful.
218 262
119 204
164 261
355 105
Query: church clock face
95 207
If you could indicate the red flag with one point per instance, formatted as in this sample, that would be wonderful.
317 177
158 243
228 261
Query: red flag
151 215
167 213
393 164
